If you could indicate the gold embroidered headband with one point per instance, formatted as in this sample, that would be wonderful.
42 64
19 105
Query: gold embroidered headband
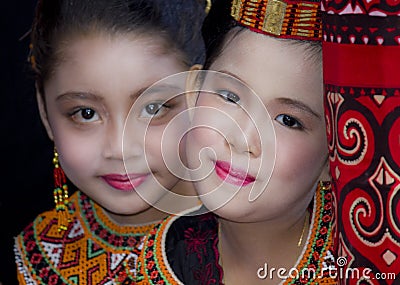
285 19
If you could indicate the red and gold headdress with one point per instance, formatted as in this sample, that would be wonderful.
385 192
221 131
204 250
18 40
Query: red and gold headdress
292 19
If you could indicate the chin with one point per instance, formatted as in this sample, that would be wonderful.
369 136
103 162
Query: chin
130 211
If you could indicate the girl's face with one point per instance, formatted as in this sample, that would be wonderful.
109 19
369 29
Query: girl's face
239 148
87 102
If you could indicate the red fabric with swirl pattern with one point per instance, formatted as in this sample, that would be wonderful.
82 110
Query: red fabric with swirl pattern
361 57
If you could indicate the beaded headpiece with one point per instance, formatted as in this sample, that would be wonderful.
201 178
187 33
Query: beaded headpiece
291 19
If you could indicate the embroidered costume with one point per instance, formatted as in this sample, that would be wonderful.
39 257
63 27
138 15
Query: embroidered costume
184 249
92 250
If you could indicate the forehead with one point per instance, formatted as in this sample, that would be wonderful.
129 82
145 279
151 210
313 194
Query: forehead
112 64
271 67
97 41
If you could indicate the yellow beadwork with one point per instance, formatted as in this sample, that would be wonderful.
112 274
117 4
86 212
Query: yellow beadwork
60 193
92 243
287 19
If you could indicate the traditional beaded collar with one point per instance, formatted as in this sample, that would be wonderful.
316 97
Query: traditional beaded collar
284 19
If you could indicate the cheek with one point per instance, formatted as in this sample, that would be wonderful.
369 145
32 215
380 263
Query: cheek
208 126
79 152
164 147
162 155
201 141
154 143
78 158
167 140
298 158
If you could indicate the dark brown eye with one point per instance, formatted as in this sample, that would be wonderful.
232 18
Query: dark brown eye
87 113
289 121
84 115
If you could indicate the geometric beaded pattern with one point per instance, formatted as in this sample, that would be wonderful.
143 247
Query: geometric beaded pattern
154 268
318 254
284 19
92 250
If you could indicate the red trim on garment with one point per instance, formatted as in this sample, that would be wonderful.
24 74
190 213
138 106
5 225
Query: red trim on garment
361 66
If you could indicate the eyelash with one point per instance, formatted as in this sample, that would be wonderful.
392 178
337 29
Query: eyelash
77 115
297 124
228 96
161 106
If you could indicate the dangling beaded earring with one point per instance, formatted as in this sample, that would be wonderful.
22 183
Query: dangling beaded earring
60 194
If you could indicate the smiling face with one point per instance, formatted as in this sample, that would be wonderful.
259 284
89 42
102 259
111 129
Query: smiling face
87 101
239 149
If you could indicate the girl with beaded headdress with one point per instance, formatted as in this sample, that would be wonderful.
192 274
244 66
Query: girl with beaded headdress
258 152
92 60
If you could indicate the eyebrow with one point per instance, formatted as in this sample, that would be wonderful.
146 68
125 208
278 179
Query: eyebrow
299 105
134 96
79 95
158 88
242 82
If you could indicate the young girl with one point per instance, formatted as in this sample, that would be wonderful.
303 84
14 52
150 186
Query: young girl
269 224
92 61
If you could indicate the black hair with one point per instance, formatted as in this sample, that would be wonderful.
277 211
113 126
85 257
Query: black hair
216 26
219 23
176 22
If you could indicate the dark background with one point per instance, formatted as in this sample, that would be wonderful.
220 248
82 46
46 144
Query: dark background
26 152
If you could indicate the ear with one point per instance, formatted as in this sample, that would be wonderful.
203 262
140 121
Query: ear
43 112
192 86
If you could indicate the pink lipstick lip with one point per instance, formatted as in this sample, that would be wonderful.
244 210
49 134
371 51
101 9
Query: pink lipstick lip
124 182
232 175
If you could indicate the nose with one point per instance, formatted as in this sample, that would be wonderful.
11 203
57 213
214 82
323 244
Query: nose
244 138
121 142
